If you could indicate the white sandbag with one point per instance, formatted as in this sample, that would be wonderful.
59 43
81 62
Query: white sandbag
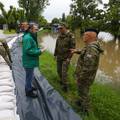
6 83
7 93
7 106
7 115
4 67
7 98
5 76
6 79
6 72
6 89
10 94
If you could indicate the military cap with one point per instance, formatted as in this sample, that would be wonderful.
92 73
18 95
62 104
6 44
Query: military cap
62 25
92 30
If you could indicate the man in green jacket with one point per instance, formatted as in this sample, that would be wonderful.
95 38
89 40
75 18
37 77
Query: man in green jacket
30 57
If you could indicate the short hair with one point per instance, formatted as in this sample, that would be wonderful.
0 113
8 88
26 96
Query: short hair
31 24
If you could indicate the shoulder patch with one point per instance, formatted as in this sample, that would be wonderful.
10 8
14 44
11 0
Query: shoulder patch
89 55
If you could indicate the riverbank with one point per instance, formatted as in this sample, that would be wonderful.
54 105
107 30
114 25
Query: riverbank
105 99
44 32
9 32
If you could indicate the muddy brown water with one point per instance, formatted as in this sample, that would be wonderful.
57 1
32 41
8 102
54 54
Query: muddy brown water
109 67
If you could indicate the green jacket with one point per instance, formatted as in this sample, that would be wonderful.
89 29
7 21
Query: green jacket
30 52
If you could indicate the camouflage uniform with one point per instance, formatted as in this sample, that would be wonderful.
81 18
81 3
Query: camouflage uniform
64 42
4 52
86 71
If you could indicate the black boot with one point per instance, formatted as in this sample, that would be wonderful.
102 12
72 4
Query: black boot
31 94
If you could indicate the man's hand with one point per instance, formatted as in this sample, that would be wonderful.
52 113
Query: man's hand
43 49
72 51
78 51
68 60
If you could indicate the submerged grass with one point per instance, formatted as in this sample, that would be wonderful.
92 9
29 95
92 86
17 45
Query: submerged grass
105 100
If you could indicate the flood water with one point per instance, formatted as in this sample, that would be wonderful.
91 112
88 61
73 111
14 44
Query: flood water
109 67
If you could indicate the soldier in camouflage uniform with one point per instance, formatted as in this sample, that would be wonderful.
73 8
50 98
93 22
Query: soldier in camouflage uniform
65 42
4 52
87 66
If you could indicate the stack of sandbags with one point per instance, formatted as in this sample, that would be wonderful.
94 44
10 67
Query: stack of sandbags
18 38
7 96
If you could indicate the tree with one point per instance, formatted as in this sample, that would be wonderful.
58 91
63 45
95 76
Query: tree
12 16
6 15
113 17
85 13
63 17
18 15
55 20
33 8
2 21
69 21
42 21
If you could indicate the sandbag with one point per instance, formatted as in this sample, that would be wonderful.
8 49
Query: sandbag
7 115
6 83
6 89
7 98
7 106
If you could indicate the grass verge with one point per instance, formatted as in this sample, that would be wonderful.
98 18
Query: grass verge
44 32
105 100
9 32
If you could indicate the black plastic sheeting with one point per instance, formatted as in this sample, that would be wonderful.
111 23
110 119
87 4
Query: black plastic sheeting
48 106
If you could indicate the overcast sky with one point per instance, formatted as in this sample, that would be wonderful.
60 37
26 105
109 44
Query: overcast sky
55 9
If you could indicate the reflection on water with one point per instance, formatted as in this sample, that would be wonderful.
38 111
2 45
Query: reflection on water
109 62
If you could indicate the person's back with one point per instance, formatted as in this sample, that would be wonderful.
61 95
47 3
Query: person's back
89 61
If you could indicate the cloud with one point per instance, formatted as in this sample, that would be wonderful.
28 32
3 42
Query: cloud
56 8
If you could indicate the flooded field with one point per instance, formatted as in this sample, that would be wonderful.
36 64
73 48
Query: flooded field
109 67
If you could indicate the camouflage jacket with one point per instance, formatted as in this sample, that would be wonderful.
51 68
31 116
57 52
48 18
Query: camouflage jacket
88 61
63 44
2 41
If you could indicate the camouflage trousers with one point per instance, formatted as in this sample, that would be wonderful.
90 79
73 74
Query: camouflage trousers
62 69
84 85
3 53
